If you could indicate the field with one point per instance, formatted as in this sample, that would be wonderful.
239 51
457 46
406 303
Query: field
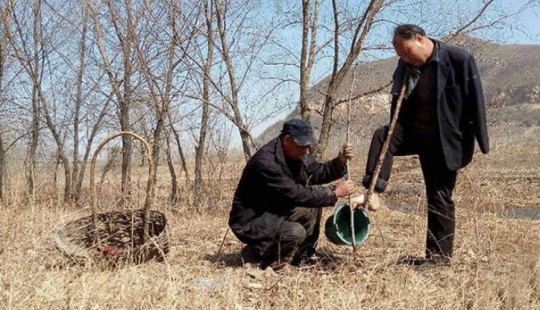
496 263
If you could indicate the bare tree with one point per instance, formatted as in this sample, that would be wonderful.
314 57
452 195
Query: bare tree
161 56
32 56
78 171
2 169
310 16
29 55
200 148
179 146
124 29
233 101
60 115
5 15
362 29
174 68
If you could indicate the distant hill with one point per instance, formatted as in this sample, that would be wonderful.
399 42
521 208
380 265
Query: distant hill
510 73
510 79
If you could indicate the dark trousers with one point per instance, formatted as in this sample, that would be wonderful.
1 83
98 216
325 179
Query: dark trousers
297 236
438 179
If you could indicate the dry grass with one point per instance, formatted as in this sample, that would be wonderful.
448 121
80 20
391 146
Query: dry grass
496 265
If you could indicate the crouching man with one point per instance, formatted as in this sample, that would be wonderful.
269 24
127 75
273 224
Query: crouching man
276 209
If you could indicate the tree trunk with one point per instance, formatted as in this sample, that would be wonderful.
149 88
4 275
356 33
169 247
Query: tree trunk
30 162
60 142
234 101
319 149
125 104
180 151
156 146
308 52
3 43
67 175
126 149
2 165
172 172
55 175
362 29
199 150
78 105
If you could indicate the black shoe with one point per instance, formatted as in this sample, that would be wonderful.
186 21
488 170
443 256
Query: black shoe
248 257
307 257
275 265
301 260
410 260
252 260
439 259
421 261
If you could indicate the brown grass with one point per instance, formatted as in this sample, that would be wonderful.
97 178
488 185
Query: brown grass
496 264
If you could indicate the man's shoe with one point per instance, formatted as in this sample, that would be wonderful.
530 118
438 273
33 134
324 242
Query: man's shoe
275 265
439 260
421 261
303 260
248 257
410 260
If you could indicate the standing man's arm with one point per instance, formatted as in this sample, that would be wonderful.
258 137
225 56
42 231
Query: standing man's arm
474 99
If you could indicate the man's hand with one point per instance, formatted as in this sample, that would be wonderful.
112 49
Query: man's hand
345 153
344 188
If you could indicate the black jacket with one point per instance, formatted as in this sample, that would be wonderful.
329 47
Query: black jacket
460 106
270 188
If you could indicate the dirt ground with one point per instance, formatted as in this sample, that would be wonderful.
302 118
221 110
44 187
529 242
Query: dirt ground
496 263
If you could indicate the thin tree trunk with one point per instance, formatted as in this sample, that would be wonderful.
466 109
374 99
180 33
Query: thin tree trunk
308 52
156 145
200 149
3 43
234 101
338 74
55 176
78 105
172 172
88 147
124 100
180 151
2 165
60 144
31 157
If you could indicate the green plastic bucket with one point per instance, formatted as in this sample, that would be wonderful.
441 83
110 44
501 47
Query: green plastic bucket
338 226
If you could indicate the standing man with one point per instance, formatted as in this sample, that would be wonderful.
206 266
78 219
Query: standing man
276 209
442 113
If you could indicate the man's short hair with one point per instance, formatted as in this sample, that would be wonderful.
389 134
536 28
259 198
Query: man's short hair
407 32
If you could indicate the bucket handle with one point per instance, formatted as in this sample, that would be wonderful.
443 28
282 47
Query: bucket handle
149 185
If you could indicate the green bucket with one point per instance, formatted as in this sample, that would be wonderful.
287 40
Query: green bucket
338 226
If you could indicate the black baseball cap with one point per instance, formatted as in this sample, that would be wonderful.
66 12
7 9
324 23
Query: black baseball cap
299 130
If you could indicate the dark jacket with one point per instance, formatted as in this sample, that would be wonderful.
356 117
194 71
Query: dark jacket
460 106
270 188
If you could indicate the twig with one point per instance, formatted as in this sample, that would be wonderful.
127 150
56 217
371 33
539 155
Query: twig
348 176
222 242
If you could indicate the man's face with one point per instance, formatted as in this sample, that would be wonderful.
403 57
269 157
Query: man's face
292 150
414 51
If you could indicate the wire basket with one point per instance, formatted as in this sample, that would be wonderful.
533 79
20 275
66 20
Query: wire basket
129 236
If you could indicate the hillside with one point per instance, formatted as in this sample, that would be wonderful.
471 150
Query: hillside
509 78
509 73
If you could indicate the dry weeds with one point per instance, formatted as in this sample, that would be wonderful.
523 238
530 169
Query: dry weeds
496 264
